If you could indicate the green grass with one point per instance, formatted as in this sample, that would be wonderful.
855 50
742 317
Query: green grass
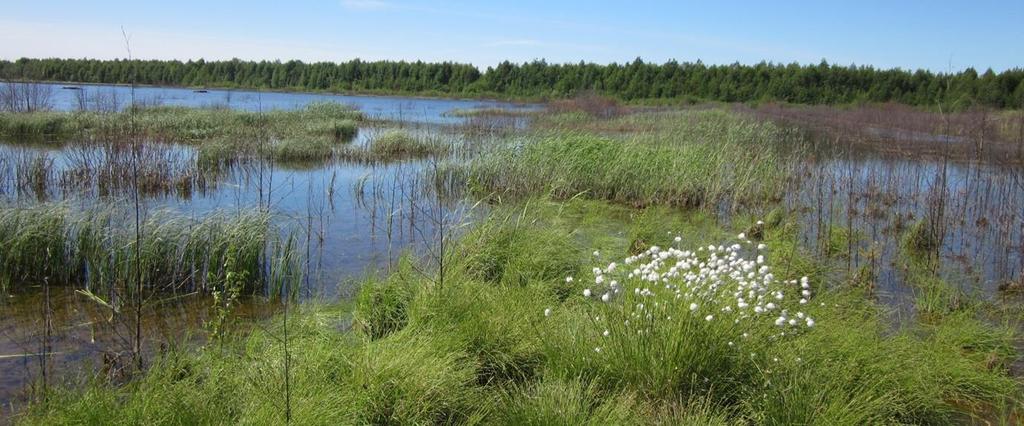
302 150
489 112
321 144
921 237
217 153
34 125
853 371
397 143
337 130
95 249
505 338
688 158
328 121
479 348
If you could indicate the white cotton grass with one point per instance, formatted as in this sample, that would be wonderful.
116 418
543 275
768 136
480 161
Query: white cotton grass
729 283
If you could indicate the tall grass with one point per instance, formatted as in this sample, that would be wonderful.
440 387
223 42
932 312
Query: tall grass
294 150
94 250
329 121
36 124
481 348
702 158
390 145
396 143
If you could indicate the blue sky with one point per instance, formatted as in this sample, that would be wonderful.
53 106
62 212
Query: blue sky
936 35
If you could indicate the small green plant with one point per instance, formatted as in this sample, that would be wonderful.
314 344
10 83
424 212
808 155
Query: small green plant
397 144
921 237
382 306
302 150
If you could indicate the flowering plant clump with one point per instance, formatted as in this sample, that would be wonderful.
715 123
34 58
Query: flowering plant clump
674 317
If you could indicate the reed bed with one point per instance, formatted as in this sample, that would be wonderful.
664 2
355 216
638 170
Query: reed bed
181 125
95 249
401 144
490 112
105 170
696 159
384 147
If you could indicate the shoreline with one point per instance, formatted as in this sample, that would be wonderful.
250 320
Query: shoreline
370 94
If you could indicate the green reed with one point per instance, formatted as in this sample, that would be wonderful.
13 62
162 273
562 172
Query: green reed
95 249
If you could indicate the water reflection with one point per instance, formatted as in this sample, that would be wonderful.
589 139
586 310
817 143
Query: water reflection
395 108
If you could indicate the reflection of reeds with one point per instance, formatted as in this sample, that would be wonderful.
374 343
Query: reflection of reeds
105 170
33 173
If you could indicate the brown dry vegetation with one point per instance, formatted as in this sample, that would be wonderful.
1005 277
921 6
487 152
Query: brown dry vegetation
977 134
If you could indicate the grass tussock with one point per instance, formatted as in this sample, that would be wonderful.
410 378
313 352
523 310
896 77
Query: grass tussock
396 143
512 341
921 238
302 150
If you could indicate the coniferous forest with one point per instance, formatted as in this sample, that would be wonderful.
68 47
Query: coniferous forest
637 81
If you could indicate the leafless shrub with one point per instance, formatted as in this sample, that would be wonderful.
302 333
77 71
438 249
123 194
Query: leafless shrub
590 103
97 100
976 134
25 97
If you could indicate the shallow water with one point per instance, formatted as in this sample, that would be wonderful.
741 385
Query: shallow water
349 219
979 209
396 108
357 218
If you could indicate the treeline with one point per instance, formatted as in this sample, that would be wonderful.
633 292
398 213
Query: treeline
635 81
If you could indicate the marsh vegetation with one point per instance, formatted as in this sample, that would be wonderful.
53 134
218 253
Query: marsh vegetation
599 264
